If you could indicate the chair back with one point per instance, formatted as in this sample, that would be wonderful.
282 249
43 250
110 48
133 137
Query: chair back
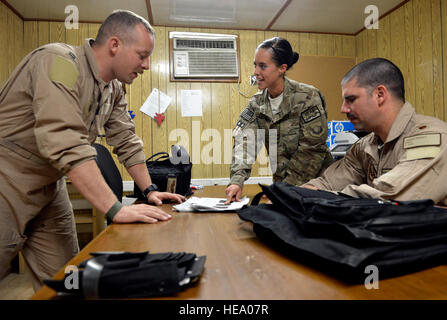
109 170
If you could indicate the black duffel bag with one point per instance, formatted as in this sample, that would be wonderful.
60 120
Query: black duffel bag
172 174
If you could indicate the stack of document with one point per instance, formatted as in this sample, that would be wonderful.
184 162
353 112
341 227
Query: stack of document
210 204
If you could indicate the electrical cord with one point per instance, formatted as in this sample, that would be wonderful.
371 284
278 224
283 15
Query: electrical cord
248 96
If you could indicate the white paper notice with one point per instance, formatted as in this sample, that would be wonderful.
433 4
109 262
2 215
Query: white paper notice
191 103
165 101
150 106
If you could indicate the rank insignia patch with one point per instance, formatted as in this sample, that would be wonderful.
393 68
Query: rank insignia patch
72 55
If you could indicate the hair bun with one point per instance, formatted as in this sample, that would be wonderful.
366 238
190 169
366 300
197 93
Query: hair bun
295 58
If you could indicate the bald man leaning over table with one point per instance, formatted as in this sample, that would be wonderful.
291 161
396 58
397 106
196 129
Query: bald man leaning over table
405 155
52 108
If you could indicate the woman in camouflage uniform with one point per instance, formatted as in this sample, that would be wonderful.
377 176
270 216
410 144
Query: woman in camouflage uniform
294 119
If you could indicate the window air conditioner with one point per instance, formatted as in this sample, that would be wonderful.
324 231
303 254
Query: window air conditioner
204 55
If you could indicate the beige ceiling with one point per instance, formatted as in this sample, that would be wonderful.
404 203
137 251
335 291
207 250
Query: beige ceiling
328 16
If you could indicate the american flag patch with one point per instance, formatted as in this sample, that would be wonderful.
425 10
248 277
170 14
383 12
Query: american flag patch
247 114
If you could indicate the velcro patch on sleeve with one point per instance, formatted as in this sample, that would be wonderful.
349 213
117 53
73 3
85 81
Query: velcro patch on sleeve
423 152
310 114
64 71
422 140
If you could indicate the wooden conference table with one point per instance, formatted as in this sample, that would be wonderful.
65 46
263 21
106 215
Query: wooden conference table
239 266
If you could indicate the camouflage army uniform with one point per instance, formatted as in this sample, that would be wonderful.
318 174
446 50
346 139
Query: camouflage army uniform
301 133
52 108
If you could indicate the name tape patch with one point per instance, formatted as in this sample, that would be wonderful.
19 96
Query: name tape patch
422 140
310 114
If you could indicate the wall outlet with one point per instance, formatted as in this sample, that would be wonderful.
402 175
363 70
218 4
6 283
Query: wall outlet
253 80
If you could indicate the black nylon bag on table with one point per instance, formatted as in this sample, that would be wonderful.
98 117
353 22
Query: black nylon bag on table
132 275
342 235
164 169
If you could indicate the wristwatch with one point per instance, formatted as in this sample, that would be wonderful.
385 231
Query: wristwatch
152 187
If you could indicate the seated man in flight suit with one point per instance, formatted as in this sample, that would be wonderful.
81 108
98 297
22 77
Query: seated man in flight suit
52 108
405 155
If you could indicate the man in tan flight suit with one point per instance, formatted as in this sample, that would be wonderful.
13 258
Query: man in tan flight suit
405 155
52 108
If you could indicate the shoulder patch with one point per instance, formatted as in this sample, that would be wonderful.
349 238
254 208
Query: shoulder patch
317 130
64 71
247 114
310 114
246 117
421 140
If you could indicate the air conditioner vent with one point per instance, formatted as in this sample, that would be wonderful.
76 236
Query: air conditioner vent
203 44
203 55
217 63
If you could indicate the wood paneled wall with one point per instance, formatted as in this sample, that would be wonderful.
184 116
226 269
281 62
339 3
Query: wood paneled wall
11 38
414 37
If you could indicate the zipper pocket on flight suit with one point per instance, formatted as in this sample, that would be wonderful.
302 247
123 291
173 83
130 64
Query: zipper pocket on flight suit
21 151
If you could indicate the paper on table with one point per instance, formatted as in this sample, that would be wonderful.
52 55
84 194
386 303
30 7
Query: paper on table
210 204
150 106
126 201
191 103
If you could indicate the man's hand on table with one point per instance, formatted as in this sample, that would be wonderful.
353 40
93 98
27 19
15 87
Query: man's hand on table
147 213
140 213
157 198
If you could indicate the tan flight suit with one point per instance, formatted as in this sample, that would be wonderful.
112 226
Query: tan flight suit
51 110
410 165
300 129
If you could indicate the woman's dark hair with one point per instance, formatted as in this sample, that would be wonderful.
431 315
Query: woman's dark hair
282 52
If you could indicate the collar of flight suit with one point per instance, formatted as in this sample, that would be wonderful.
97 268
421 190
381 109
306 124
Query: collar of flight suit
92 63
401 122
284 107
397 129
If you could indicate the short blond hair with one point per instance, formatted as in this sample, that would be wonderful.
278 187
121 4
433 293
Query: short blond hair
121 23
